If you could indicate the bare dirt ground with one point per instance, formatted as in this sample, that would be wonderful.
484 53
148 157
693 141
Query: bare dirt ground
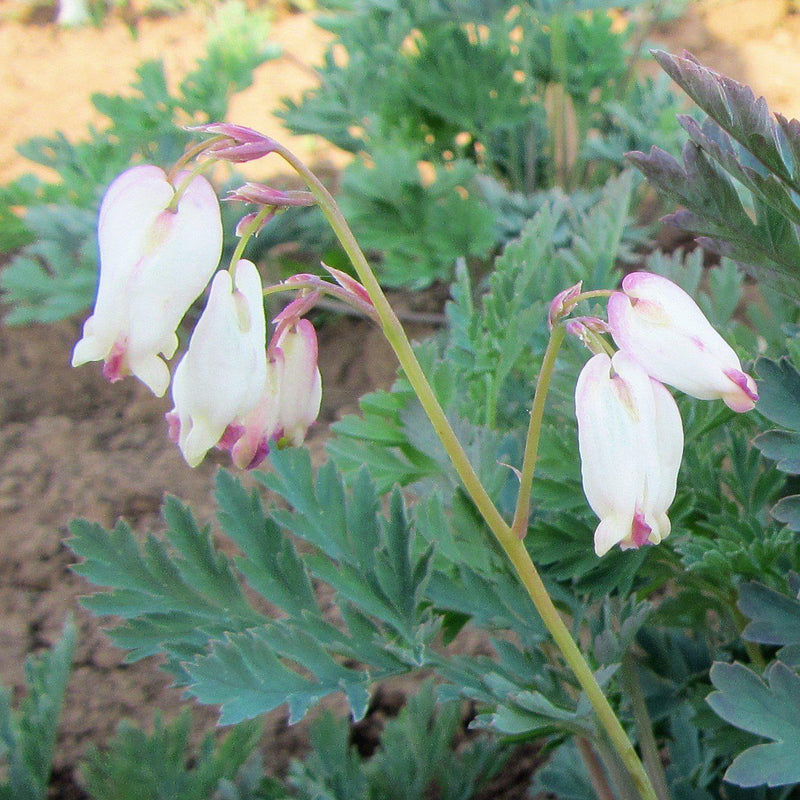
73 446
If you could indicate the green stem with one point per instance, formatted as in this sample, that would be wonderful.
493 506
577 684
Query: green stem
184 185
535 587
522 511
194 151
396 336
594 768
513 547
248 233
644 727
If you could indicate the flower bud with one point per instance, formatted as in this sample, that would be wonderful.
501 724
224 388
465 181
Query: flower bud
300 382
631 440
154 263
562 304
660 325
261 195
222 377
241 144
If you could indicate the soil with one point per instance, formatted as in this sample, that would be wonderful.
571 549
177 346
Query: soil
72 445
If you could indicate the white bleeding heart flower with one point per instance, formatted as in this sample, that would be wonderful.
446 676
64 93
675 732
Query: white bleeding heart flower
295 352
154 263
631 440
663 328
221 379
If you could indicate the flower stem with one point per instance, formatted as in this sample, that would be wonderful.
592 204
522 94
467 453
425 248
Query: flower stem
522 511
319 285
644 727
184 185
396 336
248 233
511 544
535 587
194 151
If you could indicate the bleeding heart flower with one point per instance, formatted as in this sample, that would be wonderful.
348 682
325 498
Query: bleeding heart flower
154 263
295 351
660 325
631 440
221 379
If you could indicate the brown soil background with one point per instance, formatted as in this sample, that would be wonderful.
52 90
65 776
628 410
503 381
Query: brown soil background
73 446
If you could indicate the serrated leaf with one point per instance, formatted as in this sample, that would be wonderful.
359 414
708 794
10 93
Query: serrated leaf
369 560
744 141
733 106
770 709
269 562
244 676
155 591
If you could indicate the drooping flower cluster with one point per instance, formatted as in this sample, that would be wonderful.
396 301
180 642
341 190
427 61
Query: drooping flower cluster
160 241
629 429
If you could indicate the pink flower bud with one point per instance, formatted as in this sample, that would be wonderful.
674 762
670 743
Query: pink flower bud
631 440
659 325
588 330
248 219
222 377
262 195
154 263
349 284
240 145
300 382
561 304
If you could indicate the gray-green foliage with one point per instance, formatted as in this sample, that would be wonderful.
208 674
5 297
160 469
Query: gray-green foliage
460 85
779 403
415 758
417 753
484 367
768 707
739 178
55 273
28 734
738 182
162 766
432 224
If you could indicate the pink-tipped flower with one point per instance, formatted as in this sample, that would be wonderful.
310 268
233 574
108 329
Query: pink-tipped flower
249 438
154 263
240 144
631 440
295 351
222 377
660 325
